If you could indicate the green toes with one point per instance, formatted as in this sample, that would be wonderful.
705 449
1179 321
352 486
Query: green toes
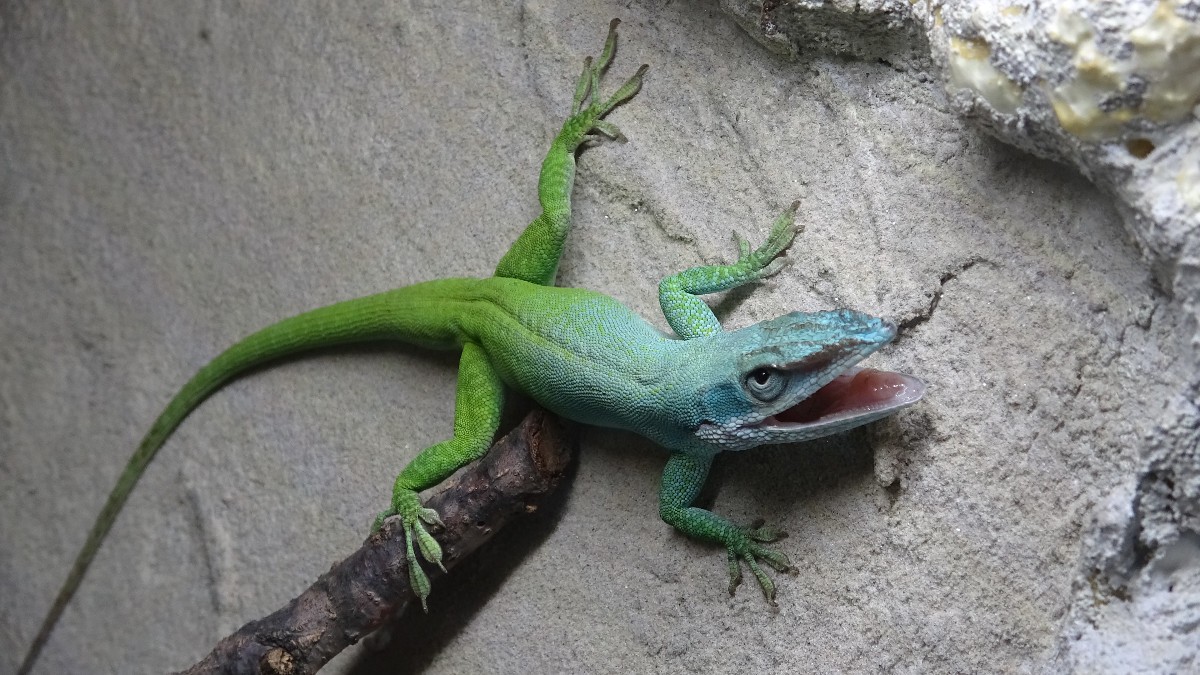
587 108
748 547
765 261
414 517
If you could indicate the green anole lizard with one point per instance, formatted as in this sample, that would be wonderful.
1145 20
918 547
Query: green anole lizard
588 358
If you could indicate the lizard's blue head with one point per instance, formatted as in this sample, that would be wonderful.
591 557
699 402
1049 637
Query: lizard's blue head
794 378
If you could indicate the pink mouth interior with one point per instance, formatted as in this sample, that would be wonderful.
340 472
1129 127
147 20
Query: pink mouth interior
857 391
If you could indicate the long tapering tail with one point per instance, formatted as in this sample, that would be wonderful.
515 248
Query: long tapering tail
409 314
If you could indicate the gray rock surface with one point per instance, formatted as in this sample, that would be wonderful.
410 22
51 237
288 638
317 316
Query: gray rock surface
176 175
1112 88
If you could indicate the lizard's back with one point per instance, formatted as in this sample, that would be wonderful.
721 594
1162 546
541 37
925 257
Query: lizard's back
578 352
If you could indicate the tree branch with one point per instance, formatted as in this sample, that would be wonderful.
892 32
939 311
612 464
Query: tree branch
362 592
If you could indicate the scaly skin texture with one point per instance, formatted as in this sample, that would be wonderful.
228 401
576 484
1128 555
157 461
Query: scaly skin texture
586 357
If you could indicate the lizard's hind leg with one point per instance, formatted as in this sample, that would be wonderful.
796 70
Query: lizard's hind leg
534 256
477 405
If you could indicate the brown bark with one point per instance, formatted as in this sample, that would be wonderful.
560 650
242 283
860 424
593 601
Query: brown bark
360 593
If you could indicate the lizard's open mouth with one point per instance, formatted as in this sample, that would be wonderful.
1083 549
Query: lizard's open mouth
856 393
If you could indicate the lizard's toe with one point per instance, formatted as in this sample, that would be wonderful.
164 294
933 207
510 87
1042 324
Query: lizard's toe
746 548
407 505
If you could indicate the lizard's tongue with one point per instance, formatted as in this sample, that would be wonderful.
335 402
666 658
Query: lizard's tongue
857 391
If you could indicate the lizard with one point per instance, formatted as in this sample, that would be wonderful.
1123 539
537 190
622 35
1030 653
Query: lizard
586 357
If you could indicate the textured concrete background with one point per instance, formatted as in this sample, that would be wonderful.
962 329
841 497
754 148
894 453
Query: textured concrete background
176 175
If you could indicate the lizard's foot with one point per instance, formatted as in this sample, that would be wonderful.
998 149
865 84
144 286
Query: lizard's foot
747 545
407 505
587 109
765 261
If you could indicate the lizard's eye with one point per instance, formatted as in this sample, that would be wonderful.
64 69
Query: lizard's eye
766 384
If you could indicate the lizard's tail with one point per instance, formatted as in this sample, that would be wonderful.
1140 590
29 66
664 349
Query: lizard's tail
394 315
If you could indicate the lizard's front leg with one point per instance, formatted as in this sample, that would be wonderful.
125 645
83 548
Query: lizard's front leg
478 401
534 256
687 314
681 482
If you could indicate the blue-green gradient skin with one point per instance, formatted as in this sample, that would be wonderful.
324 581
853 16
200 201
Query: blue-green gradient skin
580 354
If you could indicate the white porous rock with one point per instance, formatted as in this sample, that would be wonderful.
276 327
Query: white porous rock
1109 87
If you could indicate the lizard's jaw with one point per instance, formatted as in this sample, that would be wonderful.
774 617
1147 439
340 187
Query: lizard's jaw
855 397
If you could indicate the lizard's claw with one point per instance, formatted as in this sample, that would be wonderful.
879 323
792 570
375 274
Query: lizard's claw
414 517
747 546
587 108
766 260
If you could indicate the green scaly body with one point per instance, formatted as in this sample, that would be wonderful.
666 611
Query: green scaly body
586 357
